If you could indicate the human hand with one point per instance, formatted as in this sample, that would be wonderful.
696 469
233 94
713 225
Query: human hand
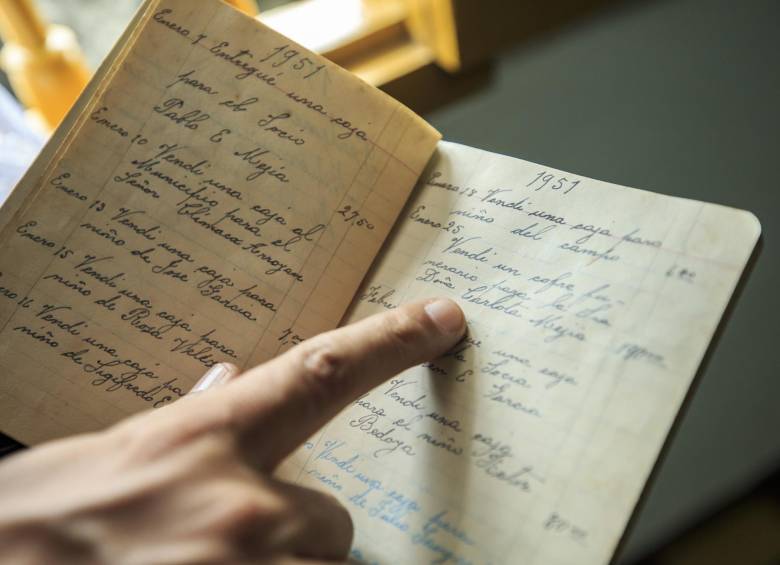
191 482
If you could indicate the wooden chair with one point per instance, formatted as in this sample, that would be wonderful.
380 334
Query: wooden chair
417 50
44 63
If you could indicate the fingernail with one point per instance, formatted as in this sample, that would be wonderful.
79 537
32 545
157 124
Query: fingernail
218 374
446 315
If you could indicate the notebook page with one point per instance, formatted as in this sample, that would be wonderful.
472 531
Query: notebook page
589 306
220 198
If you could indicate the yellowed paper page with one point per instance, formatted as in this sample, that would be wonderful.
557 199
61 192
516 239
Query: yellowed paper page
589 305
220 198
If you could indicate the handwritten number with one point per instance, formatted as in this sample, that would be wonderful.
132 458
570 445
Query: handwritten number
558 183
314 72
354 217
283 55
274 52
302 63
536 179
286 58
289 337
559 525
98 206
683 274
63 252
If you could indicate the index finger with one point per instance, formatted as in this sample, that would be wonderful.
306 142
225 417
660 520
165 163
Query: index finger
276 406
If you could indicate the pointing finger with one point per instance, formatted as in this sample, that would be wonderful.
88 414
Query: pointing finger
297 392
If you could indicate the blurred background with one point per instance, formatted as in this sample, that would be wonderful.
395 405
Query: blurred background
680 97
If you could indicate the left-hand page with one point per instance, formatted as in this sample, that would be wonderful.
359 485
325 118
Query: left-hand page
219 195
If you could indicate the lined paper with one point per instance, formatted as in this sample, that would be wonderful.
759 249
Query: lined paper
220 192
590 307
219 198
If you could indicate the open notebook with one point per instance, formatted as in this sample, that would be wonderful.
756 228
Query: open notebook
220 193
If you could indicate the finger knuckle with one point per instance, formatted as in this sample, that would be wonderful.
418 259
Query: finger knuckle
145 443
325 367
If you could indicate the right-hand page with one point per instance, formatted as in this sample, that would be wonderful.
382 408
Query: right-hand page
590 307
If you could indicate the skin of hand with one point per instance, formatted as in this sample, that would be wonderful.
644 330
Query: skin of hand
192 482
